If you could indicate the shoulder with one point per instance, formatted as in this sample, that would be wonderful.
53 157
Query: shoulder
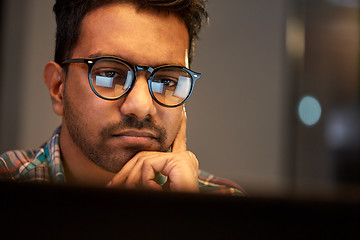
209 183
12 162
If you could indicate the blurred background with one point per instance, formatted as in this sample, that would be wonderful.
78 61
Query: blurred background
277 108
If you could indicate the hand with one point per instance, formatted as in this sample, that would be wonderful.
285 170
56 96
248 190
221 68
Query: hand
179 166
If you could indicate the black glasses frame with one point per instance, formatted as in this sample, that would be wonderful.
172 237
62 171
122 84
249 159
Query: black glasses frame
91 62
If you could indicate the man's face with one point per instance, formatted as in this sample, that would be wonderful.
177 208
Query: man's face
110 133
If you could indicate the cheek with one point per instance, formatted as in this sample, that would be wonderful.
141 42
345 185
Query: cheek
88 108
80 85
77 95
171 121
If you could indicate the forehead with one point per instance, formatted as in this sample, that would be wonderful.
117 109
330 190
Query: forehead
139 36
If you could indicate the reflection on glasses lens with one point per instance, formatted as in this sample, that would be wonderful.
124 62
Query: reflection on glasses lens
111 78
171 85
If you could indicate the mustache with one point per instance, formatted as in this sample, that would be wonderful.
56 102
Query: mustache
131 122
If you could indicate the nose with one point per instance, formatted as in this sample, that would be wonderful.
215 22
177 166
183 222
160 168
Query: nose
138 102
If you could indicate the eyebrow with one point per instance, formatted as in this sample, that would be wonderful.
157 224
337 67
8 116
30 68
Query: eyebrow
159 64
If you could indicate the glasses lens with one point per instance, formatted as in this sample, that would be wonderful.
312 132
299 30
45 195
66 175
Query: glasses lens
171 85
111 78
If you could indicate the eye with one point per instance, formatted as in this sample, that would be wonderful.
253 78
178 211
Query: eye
166 81
110 74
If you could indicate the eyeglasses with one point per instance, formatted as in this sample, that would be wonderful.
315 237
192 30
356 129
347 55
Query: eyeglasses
111 78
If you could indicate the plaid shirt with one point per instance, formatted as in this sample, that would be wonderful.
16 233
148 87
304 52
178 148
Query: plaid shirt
44 165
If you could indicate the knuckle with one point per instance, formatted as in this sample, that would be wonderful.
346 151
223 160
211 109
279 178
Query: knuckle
191 155
193 158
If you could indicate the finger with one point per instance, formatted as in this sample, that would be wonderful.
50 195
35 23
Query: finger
120 178
182 175
179 144
134 178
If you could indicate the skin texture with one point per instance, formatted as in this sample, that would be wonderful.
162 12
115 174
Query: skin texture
123 143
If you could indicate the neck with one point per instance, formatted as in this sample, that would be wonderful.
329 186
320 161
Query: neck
78 169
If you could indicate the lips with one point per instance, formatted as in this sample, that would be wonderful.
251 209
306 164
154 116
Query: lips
136 134
135 138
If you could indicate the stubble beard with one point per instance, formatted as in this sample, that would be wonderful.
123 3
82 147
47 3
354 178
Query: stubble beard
97 150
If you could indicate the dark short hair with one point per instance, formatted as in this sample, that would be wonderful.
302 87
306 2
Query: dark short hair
70 13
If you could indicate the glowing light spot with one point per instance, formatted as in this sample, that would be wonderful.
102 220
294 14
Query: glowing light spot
309 110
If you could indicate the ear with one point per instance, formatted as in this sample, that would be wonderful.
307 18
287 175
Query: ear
54 77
